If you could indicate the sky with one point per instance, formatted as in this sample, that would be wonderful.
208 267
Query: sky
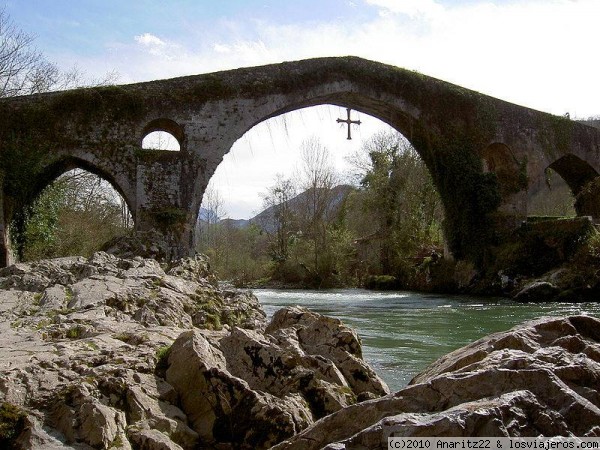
536 53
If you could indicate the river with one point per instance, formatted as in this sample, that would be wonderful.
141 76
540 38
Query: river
403 332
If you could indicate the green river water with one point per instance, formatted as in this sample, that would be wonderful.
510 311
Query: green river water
403 332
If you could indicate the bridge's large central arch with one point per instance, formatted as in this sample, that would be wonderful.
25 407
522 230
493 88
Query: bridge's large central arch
483 153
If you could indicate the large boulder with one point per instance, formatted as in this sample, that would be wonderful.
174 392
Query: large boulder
252 390
540 378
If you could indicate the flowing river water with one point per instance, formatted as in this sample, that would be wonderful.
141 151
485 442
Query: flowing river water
403 332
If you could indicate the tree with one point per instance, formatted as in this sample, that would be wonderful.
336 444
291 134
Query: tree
60 220
317 178
24 70
281 223
399 200
211 213
35 231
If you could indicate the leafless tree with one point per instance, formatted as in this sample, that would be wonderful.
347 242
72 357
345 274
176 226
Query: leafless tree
24 69
212 203
317 179
280 223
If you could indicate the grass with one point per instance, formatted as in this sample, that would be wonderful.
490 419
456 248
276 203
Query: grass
162 360
75 332
132 338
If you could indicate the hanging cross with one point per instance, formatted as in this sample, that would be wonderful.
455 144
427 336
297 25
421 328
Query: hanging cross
349 122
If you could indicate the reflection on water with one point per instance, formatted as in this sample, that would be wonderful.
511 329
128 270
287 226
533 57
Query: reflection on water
403 332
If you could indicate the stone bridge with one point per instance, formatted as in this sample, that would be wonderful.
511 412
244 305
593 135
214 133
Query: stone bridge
483 153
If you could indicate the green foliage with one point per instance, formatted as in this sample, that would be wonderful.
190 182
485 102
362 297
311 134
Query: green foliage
162 360
336 235
12 423
541 245
238 255
58 223
75 332
593 245
212 87
88 104
397 215
555 199
132 338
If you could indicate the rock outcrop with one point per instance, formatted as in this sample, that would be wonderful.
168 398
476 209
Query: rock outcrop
122 353
540 378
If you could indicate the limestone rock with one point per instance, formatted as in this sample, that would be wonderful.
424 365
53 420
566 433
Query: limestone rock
81 417
147 244
193 269
112 352
330 339
223 408
540 378
150 439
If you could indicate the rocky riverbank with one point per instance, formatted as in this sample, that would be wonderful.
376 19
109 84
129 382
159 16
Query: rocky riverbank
125 353
111 352
540 378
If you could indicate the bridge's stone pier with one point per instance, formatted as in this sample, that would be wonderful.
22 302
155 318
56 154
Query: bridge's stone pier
483 153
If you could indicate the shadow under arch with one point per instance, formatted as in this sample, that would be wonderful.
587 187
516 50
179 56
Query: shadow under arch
584 182
500 160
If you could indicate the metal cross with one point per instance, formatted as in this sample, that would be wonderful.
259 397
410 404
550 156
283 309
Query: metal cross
349 122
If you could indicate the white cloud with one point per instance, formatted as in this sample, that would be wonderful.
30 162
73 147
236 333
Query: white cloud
539 53
222 48
150 40
411 8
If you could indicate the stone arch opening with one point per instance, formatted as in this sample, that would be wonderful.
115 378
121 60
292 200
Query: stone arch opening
74 209
69 163
552 197
162 134
404 122
446 133
583 181
246 147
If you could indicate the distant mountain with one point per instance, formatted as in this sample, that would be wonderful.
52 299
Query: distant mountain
265 219
235 223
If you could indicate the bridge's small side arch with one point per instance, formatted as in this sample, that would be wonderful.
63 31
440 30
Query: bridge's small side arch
15 220
584 182
63 165
167 126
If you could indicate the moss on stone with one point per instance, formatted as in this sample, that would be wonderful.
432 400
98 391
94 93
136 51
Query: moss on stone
169 217
12 424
